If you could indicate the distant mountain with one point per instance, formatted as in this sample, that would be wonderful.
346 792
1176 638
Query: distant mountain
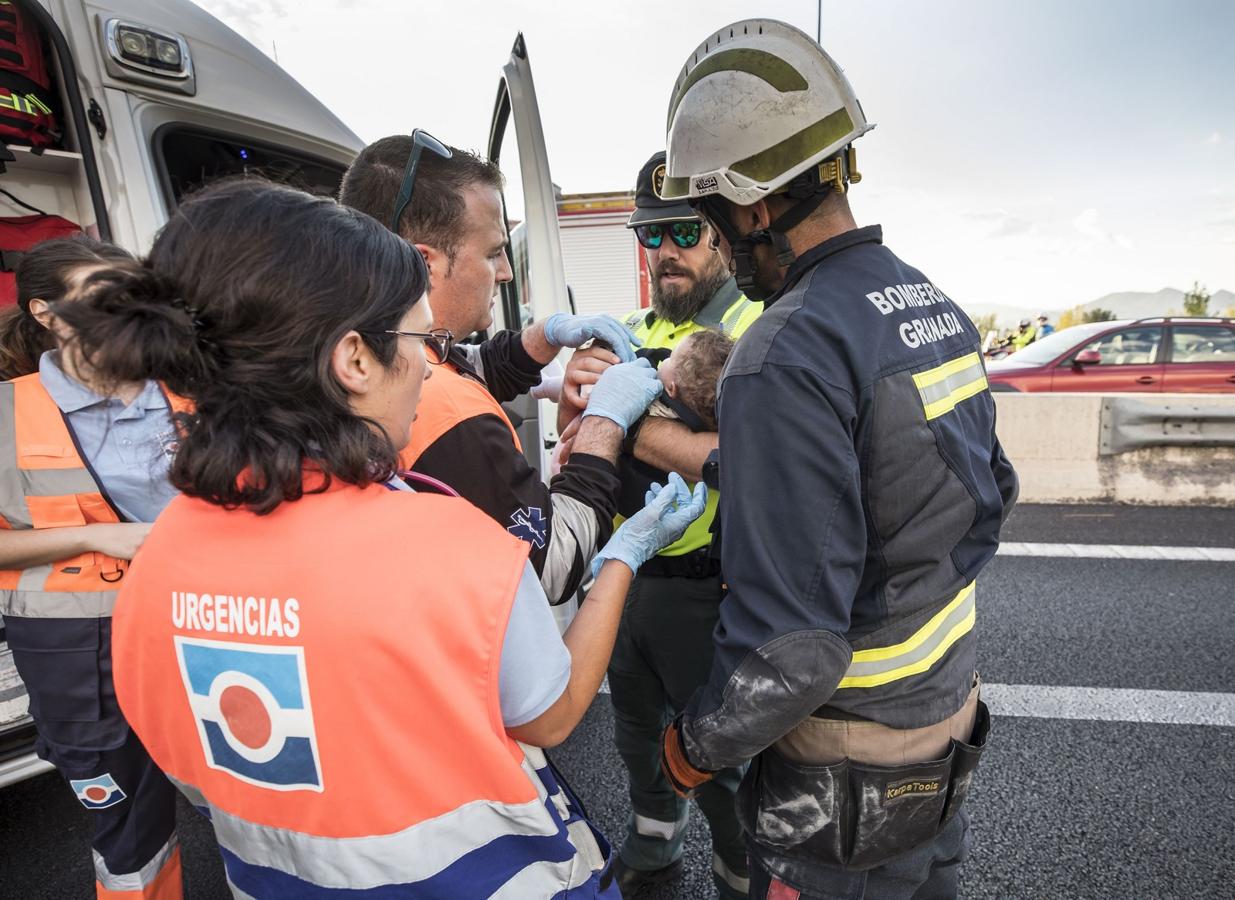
1142 305
1124 304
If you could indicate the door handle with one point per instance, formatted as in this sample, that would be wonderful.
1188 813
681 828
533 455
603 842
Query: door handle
1146 379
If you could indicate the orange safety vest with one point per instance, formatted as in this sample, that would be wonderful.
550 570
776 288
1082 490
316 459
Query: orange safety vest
46 483
323 680
448 398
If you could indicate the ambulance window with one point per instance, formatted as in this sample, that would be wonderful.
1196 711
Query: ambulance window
190 159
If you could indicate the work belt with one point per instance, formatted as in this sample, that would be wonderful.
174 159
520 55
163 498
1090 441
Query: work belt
875 792
696 564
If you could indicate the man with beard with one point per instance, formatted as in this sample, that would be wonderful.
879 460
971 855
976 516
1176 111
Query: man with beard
664 645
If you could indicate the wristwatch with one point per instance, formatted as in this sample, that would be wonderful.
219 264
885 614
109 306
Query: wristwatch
711 470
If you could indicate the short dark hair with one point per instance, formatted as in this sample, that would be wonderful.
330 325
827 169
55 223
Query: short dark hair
435 215
245 294
44 273
699 371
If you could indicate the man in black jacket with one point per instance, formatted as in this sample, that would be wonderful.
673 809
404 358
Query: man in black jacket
462 437
862 491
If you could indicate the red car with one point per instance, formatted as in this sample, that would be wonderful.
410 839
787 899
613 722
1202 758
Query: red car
1161 355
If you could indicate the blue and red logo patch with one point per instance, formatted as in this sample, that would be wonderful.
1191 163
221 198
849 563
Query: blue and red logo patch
251 704
97 793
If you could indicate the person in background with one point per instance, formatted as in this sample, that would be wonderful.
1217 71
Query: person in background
1024 335
463 437
352 679
83 475
1044 327
664 647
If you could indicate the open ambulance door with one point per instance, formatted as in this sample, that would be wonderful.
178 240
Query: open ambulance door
535 249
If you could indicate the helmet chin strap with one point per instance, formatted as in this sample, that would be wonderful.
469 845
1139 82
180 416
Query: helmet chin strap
742 247
810 189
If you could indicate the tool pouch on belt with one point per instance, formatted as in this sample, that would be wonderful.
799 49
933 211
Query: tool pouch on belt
852 814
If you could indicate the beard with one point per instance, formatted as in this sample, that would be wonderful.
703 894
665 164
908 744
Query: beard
681 305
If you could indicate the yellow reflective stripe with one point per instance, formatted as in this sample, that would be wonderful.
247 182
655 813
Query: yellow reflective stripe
917 653
942 387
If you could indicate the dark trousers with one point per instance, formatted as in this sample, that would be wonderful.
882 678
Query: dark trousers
662 656
930 872
66 667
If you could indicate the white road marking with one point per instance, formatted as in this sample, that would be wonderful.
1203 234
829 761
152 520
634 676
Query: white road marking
1110 704
1036 701
1118 551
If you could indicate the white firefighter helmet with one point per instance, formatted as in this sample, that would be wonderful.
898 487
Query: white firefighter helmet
757 104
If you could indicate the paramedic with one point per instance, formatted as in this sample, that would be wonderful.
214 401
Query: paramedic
340 671
463 437
83 472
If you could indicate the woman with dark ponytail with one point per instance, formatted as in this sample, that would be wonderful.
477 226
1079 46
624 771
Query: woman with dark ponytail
83 473
351 677
45 275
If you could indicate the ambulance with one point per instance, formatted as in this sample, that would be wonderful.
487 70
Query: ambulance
148 100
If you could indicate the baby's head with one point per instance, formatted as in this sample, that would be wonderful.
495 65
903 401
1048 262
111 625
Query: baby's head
692 372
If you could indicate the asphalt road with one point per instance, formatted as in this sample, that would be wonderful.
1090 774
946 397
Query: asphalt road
1063 807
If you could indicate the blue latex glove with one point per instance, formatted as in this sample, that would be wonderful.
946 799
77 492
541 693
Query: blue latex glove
562 330
668 513
624 392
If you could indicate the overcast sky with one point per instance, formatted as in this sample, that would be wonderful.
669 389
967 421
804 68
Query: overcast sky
1034 154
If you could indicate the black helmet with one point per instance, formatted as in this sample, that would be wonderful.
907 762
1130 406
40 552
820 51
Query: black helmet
649 207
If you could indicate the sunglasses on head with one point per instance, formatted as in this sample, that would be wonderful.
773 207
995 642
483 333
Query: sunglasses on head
421 140
684 234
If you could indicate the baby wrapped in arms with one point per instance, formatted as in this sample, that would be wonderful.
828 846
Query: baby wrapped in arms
691 375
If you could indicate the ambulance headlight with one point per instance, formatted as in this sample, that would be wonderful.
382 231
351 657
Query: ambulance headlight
150 51
133 45
168 53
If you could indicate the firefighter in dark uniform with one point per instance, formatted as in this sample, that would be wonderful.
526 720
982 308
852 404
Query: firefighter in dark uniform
863 492
664 645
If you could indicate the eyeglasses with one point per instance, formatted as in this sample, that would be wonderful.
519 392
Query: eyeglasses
684 234
421 140
438 342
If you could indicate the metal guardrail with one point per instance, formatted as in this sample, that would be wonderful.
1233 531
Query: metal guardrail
1130 424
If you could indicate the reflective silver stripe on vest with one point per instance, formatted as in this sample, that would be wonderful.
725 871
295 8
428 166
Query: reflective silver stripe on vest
143 877
918 652
12 497
30 601
57 482
942 387
415 853
733 317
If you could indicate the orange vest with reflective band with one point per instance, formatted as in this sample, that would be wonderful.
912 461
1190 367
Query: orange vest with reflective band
45 483
324 680
448 398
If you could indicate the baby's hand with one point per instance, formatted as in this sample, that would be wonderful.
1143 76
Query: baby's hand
583 371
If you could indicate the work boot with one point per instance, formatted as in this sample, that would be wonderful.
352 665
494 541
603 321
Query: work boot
632 882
